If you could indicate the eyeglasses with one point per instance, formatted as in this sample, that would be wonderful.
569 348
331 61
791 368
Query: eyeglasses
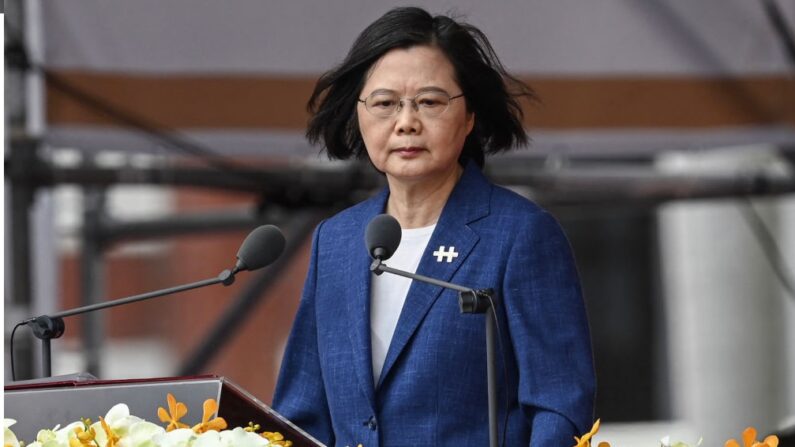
430 104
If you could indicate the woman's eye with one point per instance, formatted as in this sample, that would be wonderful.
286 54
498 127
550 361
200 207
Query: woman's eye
429 102
383 102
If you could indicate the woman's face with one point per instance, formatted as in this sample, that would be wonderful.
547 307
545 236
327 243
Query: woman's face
409 146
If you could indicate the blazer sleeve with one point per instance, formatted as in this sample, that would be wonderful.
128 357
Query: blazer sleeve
300 395
550 334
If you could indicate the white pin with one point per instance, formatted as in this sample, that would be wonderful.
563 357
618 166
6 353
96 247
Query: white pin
441 253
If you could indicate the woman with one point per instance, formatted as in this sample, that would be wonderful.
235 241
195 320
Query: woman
381 360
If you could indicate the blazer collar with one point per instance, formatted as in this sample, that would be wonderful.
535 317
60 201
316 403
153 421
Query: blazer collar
468 202
359 301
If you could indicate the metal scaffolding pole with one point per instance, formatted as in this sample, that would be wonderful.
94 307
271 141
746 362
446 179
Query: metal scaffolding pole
21 153
92 276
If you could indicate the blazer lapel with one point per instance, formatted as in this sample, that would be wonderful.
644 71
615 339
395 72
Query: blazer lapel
468 202
358 275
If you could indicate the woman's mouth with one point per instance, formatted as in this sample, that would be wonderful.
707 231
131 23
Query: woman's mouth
408 152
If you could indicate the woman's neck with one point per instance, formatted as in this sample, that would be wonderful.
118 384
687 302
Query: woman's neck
419 204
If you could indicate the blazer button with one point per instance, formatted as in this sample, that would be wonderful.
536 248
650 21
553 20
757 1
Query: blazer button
372 424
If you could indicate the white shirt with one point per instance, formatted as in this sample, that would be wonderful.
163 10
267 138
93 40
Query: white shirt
388 293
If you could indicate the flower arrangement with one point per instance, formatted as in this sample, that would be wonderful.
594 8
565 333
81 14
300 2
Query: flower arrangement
121 429
748 437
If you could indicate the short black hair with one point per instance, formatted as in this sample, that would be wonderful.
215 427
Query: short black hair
490 92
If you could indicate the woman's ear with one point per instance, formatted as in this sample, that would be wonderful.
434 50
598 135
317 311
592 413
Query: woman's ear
470 122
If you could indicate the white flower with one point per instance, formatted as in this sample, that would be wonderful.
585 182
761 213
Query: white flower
209 438
141 434
45 436
118 419
182 437
58 437
242 438
237 437
9 438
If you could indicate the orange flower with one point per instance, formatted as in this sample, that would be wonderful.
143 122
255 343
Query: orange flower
207 424
277 439
84 437
749 440
585 441
113 439
176 411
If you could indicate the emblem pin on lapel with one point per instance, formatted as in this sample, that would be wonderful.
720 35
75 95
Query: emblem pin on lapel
441 253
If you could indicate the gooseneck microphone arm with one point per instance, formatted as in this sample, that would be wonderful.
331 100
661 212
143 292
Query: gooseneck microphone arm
226 277
47 327
260 248
470 301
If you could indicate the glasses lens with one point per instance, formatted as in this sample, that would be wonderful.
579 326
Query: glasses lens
382 104
432 103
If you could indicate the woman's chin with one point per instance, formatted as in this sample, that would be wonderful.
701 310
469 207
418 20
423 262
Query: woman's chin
407 169
415 174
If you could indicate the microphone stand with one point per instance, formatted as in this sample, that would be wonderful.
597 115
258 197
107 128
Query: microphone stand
47 327
470 301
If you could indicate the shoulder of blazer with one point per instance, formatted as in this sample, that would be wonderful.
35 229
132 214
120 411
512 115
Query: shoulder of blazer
506 201
357 216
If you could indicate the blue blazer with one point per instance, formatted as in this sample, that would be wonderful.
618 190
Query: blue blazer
432 390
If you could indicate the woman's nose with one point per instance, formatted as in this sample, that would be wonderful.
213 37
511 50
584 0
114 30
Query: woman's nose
407 119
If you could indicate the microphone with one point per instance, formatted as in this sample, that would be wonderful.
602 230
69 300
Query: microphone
260 248
382 236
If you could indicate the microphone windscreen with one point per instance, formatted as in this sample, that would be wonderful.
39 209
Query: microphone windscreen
382 232
262 246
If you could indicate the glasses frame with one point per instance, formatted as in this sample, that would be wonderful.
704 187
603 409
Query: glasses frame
413 101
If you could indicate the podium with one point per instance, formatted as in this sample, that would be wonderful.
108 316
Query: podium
61 400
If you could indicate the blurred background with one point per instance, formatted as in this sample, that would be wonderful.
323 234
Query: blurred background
145 139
